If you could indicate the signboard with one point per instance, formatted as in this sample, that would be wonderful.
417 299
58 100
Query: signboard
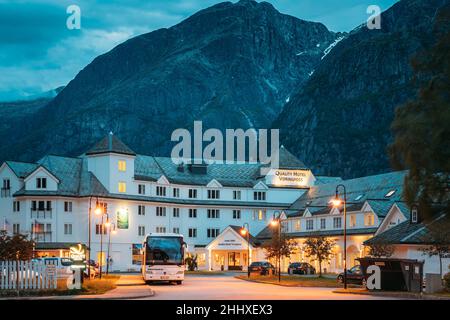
122 219
289 178
50 270
78 256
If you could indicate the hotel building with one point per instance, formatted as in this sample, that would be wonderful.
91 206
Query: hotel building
52 200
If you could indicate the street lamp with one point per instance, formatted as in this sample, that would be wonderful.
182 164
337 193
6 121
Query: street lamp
276 222
112 229
104 227
245 231
336 201
98 210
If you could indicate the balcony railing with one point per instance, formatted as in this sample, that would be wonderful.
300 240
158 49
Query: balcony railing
5 192
41 213
45 236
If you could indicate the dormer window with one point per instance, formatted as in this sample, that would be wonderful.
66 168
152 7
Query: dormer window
390 193
213 194
41 183
369 219
160 191
122 165
414 215
259 195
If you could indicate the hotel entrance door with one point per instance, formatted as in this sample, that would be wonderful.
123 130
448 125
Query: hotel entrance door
234 261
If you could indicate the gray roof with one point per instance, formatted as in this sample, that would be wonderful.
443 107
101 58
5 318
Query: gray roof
288 161
371 188
110 144
266 233
240 175
21 169
253 240
325 180
414 233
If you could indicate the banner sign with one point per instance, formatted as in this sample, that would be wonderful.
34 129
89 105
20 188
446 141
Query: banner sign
122 219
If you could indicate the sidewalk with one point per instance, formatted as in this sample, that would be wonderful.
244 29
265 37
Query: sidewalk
128 287
393 294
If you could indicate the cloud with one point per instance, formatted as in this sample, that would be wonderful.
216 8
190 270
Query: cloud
38 53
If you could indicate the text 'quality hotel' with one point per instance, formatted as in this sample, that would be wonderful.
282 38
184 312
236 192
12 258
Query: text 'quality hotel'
207 204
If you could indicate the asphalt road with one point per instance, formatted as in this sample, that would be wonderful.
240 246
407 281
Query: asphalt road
226 287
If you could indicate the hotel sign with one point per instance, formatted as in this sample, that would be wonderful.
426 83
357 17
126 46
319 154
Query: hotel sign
289 178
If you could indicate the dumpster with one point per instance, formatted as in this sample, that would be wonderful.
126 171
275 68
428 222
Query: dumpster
396 274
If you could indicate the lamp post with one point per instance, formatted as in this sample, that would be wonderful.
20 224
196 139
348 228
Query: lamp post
98 210
276 222
112 229
103 227
245 230
337 202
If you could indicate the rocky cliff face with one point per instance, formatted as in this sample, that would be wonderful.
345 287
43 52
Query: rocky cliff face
339 120
231 65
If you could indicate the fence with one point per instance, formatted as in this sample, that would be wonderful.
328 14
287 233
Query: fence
29 275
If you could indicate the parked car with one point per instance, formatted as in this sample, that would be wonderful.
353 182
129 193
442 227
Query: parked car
301 268
354 275
262 267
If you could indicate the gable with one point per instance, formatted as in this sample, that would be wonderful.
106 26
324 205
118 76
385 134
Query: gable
214 184
394 217
228 239
41 172
260 186
163 180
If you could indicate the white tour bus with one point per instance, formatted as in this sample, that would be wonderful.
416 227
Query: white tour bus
163 257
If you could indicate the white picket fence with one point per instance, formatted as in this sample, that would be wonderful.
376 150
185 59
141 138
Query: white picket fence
28 275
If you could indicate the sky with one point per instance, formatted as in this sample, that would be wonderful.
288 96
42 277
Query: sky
39 53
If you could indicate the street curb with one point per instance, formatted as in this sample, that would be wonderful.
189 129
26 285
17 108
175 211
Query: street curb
130 284
282 285
398 296
150 294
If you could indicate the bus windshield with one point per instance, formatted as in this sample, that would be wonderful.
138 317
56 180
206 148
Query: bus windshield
164 250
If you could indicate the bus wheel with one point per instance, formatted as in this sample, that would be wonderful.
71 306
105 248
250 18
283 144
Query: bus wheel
179 282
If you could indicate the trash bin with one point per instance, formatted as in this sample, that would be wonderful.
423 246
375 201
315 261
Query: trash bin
396 274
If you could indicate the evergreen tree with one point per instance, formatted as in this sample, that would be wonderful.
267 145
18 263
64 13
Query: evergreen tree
422 126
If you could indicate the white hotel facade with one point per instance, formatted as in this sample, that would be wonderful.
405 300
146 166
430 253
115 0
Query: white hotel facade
51 199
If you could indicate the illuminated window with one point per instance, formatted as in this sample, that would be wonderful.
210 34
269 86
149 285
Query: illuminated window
122 187
369 219
297 225
259 214
352 220
122 165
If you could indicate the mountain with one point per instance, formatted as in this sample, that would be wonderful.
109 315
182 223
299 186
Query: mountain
232 65
339 120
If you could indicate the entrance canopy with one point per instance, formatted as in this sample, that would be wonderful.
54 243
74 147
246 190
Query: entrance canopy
232 239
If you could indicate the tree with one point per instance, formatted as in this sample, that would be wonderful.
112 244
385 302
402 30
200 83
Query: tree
439 233
279 246
421 126
191 262
16 247
379 250
319 249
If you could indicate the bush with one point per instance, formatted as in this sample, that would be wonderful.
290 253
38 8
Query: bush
447 281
